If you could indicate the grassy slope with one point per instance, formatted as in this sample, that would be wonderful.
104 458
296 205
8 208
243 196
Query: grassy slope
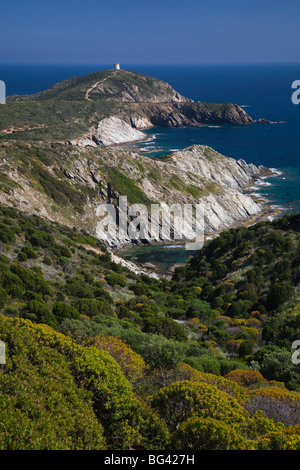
53 275
64 110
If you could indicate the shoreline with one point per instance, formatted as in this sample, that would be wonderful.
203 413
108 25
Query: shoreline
268 211
153 268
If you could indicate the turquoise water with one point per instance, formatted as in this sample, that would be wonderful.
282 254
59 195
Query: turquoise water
264 90
162 256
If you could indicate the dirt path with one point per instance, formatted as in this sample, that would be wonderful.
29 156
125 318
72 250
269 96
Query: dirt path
92 248
11 130
93 87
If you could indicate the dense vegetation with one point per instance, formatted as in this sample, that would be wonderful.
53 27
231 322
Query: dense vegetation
147 362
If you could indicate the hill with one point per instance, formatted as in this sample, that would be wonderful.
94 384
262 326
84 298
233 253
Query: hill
251 277
67 183
72 108
106 359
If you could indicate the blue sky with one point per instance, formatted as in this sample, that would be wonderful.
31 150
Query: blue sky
160 31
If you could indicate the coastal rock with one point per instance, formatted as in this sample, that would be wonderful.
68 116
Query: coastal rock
221 212
113 130
187 113
218 180
140 122
264 121
110 131
84 142
133 267
214 113
204 161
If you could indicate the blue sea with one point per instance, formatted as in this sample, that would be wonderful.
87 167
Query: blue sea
264 90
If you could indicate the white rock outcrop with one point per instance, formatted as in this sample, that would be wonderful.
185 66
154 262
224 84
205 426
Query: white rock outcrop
110 131
113 130
206 162
141 122
223 180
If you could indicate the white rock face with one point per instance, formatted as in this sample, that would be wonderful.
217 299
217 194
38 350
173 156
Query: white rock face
141 123
133 267
226 205
220 212
113 130
84 142
204 161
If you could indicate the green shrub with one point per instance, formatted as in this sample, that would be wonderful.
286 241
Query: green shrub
22 256
6 233
41 312
205 363
182 400
63 310
40 238
116 279
161 353
29 252
42 405
47 261
93 307
207 434
3 296
78 288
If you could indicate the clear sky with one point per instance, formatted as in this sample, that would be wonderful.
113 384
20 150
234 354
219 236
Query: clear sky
154 32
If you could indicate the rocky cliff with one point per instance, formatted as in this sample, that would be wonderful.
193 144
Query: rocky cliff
110 131
191 114
67 183
204 161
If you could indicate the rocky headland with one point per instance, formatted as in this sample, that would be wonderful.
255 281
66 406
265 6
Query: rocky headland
41 173
76 110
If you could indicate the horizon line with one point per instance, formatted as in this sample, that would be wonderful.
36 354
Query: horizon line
151 63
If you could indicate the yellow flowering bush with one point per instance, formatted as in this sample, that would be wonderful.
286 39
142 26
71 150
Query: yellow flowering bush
278 441
42 407
198 289
245 378
253 332
239 322
207 434
181 400
96 372
258 425
132 364
253 322
222 383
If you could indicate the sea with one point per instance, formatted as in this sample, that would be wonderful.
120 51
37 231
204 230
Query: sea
263 90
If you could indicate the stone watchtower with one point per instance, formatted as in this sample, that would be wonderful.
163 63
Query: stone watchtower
116 66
